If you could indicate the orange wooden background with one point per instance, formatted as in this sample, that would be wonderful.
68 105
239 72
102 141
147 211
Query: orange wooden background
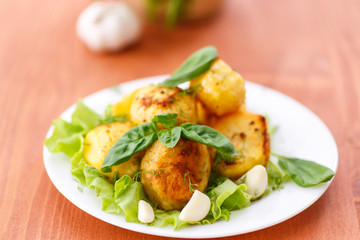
310 50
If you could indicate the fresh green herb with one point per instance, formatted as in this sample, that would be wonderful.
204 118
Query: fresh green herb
191 185
242 180
110 118
227 158
115 176
223 157
208 136
183 144
276 178
198 63
142 136
191 91
168 120
215 180
153 172
303 172
194 90
170 137
135 140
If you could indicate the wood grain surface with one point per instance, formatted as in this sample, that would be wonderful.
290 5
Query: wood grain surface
309 50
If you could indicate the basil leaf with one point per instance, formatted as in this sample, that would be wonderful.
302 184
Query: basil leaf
198 63
303 172
168 120
170 137
208 136
133 141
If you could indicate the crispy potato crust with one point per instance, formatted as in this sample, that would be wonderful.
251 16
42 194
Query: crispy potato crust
248 133
167 184
98 142
153 100
222 90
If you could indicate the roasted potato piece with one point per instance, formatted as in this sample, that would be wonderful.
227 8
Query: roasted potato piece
248 133
202 113
222 90
169 175
153 100
123 106
98 142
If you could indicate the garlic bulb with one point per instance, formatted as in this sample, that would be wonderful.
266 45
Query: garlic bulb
145 212
108 26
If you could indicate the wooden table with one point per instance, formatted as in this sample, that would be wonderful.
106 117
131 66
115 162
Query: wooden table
309 50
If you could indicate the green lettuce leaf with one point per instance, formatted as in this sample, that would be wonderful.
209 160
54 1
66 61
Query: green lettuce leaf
127 195
164 218
85 117
65 137
78 163
228 196
103 189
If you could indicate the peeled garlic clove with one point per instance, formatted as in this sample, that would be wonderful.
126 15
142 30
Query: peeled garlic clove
196 209
145 212
106 26
256 180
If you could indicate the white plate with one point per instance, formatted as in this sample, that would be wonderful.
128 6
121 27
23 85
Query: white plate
301 134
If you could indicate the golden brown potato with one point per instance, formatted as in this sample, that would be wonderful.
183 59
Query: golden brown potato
153 100
123 106
98 142
222 90
202 114
248 133
167 171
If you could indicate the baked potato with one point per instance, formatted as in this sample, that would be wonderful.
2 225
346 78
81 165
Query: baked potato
98 142
170 175
153 100
248 133
123 106
202 113
222 90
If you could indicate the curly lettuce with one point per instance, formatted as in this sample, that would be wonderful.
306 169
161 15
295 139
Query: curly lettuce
123 196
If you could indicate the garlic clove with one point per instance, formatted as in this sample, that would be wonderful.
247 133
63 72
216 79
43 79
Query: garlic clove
256 180
108 26
145 212
196 209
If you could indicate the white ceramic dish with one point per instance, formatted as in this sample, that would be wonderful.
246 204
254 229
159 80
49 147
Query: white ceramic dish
301 134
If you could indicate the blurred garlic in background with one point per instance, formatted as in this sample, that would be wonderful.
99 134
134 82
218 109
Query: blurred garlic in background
108 26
